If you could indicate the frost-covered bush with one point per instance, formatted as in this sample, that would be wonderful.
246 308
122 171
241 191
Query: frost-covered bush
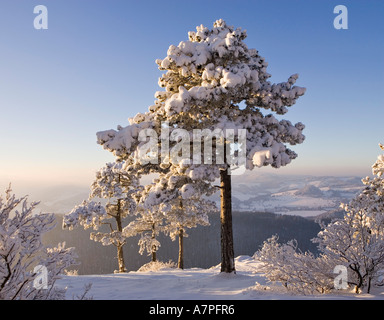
356 241
156 266
21 250
378 167
298 272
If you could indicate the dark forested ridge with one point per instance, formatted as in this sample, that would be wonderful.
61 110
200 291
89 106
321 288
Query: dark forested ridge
202 247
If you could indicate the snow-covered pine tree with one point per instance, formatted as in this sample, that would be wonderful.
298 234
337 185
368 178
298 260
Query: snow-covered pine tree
119 188
184 214
21 251
378 166
183 202
170 204
214 81
149 223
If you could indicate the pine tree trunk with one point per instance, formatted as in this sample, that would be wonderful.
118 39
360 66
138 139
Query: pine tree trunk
227 254
120 259
180 263
369 285
120 255
154 258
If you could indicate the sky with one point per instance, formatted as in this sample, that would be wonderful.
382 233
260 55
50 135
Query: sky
94 67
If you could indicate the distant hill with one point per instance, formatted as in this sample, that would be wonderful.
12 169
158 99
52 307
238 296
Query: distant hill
309 190
302 195
328 216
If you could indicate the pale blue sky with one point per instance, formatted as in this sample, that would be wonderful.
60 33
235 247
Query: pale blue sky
95 66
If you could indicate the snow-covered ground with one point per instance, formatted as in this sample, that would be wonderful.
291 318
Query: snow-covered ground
192 284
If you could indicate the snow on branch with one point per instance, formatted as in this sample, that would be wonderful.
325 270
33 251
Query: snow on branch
21 249
89 214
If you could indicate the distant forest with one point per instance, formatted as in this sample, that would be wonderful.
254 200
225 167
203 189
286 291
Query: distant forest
201 247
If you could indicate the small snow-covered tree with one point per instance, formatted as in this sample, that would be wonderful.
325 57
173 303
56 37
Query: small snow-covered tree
213 81
148 224
118 187
184 214
378 166
21 250
184 204
356 241
179 203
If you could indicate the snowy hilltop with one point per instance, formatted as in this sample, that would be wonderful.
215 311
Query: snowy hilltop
301 195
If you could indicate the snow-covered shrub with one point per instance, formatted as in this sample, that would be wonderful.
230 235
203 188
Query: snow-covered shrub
157 265
23 256
378 166
356 241
298 272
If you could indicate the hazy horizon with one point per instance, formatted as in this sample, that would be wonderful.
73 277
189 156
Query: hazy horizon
39 190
